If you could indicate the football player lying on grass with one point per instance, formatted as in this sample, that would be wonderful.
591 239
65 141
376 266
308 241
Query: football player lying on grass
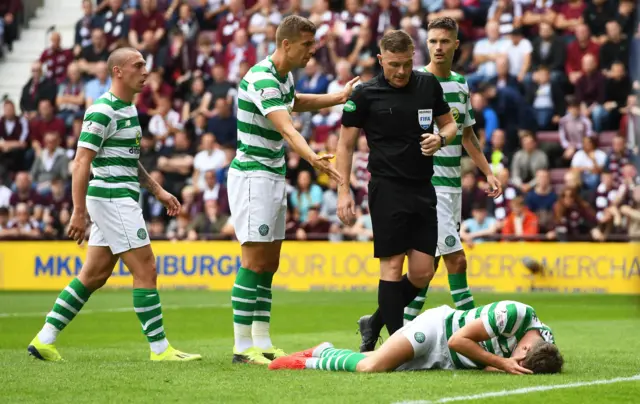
505 336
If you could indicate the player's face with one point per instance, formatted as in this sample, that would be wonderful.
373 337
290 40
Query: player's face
134 72
528 341
300 51
397 67
442 45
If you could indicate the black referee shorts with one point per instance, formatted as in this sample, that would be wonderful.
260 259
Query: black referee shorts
403 216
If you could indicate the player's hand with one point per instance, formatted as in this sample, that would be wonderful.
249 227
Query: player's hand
512 365
429 144
348 88
170 202
322 163
346 208
77 227
494 188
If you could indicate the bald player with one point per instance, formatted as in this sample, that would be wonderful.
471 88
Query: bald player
109 148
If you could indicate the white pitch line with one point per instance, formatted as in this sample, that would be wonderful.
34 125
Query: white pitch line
115 310
525 390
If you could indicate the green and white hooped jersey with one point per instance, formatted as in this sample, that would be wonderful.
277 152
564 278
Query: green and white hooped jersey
505 322
446 161
112 129
260 146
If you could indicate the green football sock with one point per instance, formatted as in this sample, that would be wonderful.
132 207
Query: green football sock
69 302
336 360
415 307
262 312
460 291
146 303
243 303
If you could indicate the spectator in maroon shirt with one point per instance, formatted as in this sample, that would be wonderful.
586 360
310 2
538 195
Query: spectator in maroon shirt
14 136
147 102
205 58
574 218
315 227
55 59
116 24
590 93
234 20
570 16
148 18
25 193
186 22
60 197
383 16
241 49
617 159
22 225
8 11
576 50
46 122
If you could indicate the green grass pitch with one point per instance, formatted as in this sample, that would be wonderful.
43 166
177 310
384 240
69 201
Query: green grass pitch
106 355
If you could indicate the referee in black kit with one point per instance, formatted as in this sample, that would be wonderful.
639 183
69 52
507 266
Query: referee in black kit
397 110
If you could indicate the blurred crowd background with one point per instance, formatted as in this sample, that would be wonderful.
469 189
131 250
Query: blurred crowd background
555 91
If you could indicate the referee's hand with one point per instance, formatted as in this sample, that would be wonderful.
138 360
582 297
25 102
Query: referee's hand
323 163
430 144
346 208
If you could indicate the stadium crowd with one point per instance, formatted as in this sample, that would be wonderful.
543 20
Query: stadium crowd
554 86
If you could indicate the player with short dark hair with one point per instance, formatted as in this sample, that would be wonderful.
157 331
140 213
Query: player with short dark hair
397 111
109 148
256 184
505 336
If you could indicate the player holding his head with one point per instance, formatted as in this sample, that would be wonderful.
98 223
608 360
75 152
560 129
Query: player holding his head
109 148
256 184
442 42
505 336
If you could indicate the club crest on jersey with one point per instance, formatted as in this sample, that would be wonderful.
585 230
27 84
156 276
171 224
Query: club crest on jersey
456 113
425 117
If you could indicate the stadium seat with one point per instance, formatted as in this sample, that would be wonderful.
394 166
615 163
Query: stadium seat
548 136
605 139
557 175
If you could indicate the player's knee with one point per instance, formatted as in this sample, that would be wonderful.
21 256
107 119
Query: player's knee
369 365
94 281
457 264
421 278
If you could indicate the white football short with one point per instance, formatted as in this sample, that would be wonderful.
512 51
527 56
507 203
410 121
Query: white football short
117 224
449 216
427 336
258 205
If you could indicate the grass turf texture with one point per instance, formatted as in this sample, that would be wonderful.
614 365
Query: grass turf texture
106 355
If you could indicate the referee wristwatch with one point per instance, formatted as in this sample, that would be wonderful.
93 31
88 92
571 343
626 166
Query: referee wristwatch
443 141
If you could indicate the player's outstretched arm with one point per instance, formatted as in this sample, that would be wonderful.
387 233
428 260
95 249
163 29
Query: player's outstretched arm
344 160
169 201
79 185
472 146
466 340
314 102
283 124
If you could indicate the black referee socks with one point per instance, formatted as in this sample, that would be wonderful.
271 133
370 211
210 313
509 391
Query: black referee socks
391 304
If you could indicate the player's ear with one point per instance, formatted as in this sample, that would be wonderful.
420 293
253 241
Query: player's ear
457 43
379 59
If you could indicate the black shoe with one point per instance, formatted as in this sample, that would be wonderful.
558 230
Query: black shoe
368 338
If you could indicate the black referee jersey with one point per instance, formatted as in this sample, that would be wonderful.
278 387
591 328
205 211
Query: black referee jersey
402 200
